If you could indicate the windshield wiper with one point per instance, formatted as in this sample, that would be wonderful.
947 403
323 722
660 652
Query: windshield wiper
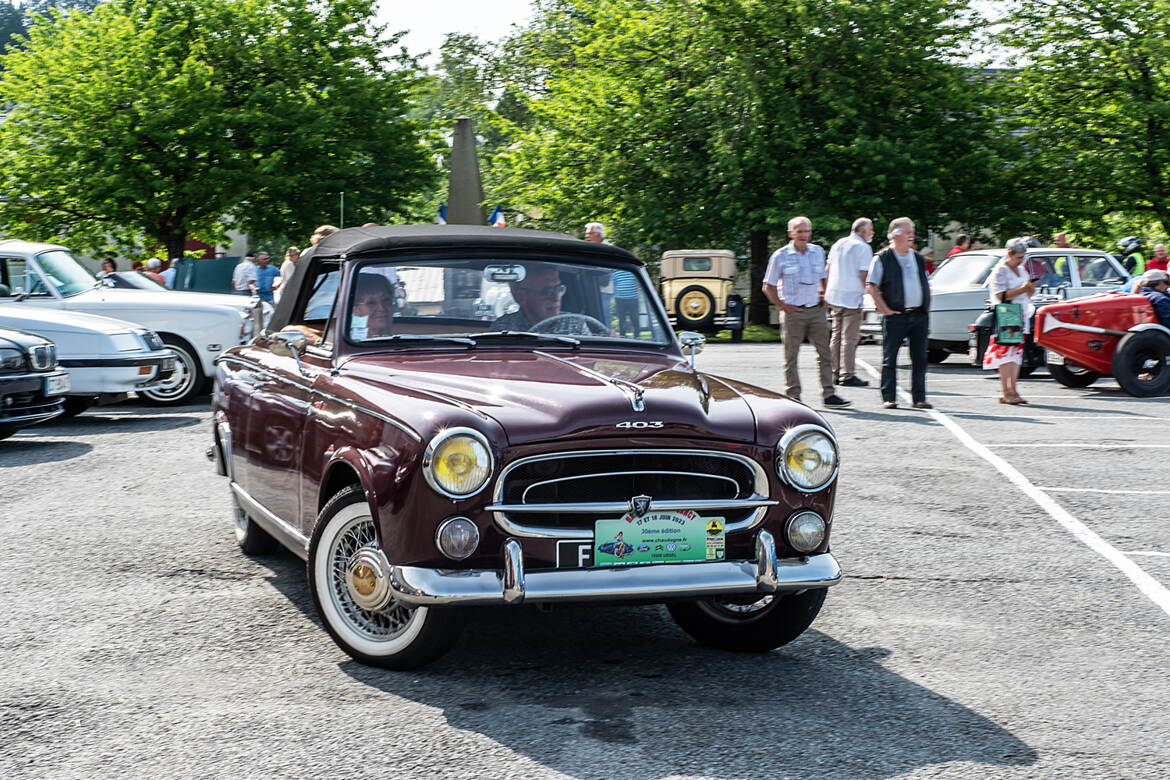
528 334
423 337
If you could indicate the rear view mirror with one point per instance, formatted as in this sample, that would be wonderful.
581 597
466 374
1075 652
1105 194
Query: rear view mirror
504 272
692 344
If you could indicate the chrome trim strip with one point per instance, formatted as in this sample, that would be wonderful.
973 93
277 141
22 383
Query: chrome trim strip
759 500
524 495
284 533
782 448
225 440
429 454
37 416
621 507
438 587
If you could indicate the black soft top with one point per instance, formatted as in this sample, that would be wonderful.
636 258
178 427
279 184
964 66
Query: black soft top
355 242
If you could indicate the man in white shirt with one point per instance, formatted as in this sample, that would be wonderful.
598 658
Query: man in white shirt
849 261
244 276
794 282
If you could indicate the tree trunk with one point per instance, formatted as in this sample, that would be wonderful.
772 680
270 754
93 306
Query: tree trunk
174 243
758 311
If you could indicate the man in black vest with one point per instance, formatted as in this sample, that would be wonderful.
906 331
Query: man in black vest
898 284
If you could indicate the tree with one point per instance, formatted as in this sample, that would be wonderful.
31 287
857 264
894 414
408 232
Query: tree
714 122
173 118
1091 104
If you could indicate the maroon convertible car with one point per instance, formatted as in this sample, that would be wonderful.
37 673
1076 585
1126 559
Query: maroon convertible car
440 417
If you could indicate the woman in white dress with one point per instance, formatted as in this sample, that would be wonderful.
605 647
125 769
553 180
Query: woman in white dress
291 256
1010 284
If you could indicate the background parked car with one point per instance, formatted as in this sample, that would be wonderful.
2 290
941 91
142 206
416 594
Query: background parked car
698 288
107 359
197 326
958 289
31 384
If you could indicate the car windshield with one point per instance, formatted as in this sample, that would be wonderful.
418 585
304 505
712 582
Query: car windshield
964 270
463 300
64 272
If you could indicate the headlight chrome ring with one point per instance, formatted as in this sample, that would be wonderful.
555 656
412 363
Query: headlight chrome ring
808 436
442 454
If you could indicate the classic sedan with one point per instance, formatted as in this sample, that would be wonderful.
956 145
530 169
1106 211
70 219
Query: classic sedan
197 326
430 455
958 289
107 359
31 384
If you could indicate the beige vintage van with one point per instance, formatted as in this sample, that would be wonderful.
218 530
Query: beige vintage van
697 286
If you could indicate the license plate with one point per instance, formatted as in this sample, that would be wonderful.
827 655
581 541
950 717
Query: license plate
1054 358
574 553
56 384
658 537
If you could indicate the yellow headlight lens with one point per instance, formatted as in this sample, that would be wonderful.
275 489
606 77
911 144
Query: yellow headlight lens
460 465
810 460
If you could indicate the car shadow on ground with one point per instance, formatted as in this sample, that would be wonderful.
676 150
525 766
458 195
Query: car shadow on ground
598 692
19 451
89 422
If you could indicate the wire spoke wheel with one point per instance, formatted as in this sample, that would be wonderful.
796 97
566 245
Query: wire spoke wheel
386 623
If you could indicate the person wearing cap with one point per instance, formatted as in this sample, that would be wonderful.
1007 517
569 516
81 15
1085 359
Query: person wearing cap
154 270
1156 287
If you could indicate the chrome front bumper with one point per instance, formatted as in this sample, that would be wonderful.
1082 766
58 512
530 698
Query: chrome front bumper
512 585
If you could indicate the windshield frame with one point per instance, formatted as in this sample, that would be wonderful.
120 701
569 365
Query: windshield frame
353 266
42 269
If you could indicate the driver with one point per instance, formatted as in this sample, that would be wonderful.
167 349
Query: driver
1156 287
539 297
373 300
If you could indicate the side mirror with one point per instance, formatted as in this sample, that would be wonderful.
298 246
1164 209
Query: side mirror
692 344
289 344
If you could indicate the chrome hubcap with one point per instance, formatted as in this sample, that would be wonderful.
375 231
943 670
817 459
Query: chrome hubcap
357 577
180 380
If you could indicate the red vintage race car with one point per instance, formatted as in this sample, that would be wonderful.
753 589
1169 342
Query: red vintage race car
1114 334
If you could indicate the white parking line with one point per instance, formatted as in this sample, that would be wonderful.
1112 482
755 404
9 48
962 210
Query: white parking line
1153 590
1087 445
1149 552
1108 491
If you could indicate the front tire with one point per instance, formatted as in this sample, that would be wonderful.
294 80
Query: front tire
936 355
187 382
253 539
749 624
398 636
1140 363
76 404
1071 375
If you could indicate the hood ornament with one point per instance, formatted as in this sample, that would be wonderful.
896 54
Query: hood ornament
640 505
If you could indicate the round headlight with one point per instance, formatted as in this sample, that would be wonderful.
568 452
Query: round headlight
457 462
807 458
457 537
805 531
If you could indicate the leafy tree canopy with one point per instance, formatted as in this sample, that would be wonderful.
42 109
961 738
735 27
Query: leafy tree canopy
169 118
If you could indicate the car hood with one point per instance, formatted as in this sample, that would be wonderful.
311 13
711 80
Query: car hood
169 300
56 322
540 396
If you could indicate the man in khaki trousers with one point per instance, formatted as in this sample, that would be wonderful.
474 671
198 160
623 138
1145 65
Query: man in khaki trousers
794 282
849 261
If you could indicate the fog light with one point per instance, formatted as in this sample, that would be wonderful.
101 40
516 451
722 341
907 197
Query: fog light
805 531
457 538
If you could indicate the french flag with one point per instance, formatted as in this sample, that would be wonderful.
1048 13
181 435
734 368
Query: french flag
497 219
442 218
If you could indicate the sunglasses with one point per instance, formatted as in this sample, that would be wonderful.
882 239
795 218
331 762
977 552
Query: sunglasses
550 291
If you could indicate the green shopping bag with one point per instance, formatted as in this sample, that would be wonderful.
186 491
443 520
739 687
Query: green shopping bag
1009 323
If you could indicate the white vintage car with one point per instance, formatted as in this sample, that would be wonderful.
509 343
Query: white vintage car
958 289
197 326
107 359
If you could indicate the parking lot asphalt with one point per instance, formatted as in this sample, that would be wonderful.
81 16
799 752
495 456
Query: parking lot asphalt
1000 617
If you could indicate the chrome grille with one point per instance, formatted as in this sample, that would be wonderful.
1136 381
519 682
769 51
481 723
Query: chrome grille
43 357
563 495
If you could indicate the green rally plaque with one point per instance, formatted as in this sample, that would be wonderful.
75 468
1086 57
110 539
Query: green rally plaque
658 537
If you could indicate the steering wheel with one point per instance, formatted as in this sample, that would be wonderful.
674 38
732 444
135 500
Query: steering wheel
587 325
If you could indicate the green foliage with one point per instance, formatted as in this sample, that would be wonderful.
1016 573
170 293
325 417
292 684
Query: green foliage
168 118
1091 106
